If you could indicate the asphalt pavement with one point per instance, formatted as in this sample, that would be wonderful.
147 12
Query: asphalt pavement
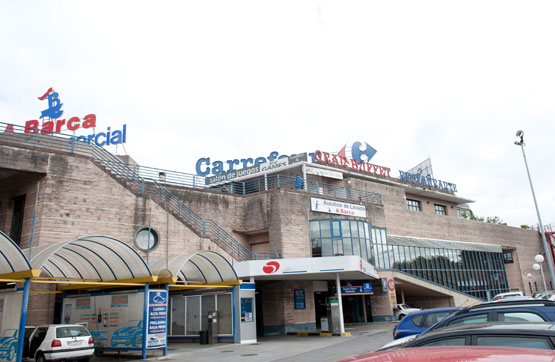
364 338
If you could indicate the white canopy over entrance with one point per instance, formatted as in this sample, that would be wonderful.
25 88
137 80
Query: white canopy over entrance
202 266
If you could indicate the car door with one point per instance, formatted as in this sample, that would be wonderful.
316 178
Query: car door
36 339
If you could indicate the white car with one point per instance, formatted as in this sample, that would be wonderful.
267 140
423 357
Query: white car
403 310
506 295
61 342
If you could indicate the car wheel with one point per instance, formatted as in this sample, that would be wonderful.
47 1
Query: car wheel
11 355
401 316
138 340
39 357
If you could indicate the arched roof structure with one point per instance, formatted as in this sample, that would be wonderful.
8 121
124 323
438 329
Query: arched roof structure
202 266
92 257
12 258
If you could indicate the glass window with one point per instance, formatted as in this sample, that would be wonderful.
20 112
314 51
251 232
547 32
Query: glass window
338 247
347 247
345 228
418 320
325 228
146 239
440 209
519 317
479 318
414 205
433 318
508 257
513 341
455 341
326 247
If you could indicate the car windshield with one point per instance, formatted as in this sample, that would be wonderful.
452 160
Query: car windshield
9 333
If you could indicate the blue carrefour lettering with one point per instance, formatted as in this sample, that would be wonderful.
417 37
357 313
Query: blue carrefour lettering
200 161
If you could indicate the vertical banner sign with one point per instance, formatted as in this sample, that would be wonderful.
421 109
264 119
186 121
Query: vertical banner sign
300 300
157 318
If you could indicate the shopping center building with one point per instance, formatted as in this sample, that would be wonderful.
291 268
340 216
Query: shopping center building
307 229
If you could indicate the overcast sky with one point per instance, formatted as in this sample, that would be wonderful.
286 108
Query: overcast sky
450 81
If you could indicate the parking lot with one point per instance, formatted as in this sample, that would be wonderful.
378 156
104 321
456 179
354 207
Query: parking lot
364 338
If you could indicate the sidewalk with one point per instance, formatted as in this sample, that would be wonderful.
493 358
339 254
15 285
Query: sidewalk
364 338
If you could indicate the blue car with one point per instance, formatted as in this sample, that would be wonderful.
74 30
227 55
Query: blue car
501 311
131 335
418 322
8 345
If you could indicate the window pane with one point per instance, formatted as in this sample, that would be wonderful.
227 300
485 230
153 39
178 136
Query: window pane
457 341
225 313
315 229
347 247
338 246
326 247
433 318
519 317
519 342
354 229
336 229
480 318
418 320
325 228
345 228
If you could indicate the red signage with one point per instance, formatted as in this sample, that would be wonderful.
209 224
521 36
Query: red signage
340 161
391 284
270 267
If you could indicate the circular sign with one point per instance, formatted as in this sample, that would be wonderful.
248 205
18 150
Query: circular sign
391 284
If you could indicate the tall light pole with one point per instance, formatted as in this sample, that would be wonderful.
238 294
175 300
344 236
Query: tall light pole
520 142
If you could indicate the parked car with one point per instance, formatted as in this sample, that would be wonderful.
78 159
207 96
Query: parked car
549 295
457 354
505 295
501 311
402 310
418 322
60 342
522 335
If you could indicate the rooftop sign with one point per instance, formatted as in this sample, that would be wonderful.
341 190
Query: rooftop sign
52 124
352 164
262 168
427 181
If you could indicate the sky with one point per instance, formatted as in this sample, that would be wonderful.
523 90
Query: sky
447 80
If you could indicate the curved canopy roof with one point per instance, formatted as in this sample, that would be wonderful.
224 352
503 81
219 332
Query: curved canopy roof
202 266
12 259
92 257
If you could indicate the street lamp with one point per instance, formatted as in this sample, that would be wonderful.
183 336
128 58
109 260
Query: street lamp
539 260
520 142
529 275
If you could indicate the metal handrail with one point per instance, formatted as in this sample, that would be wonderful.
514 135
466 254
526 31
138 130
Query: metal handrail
125 171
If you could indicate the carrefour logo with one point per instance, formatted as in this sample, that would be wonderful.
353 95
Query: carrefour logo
358 152
270 267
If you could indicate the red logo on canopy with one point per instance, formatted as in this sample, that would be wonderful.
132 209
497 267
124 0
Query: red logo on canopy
270 267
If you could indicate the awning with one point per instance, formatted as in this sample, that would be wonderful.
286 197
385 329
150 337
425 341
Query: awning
91 258
13 262
441 244
325 268
202 266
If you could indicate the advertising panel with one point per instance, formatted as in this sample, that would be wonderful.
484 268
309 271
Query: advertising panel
157 318
10 315
116 320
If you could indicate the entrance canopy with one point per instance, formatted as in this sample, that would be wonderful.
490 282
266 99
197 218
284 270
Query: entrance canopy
99 258
326 268
202 266
13 262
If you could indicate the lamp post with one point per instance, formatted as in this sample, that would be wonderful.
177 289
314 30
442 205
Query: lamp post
529 275
520 142
539 260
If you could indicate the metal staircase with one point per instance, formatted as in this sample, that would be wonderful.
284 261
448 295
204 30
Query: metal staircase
128 176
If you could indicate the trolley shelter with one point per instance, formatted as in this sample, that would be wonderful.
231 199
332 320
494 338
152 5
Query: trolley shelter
106 285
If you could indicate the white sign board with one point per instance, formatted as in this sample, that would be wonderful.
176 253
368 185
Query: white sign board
337 207
324 173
